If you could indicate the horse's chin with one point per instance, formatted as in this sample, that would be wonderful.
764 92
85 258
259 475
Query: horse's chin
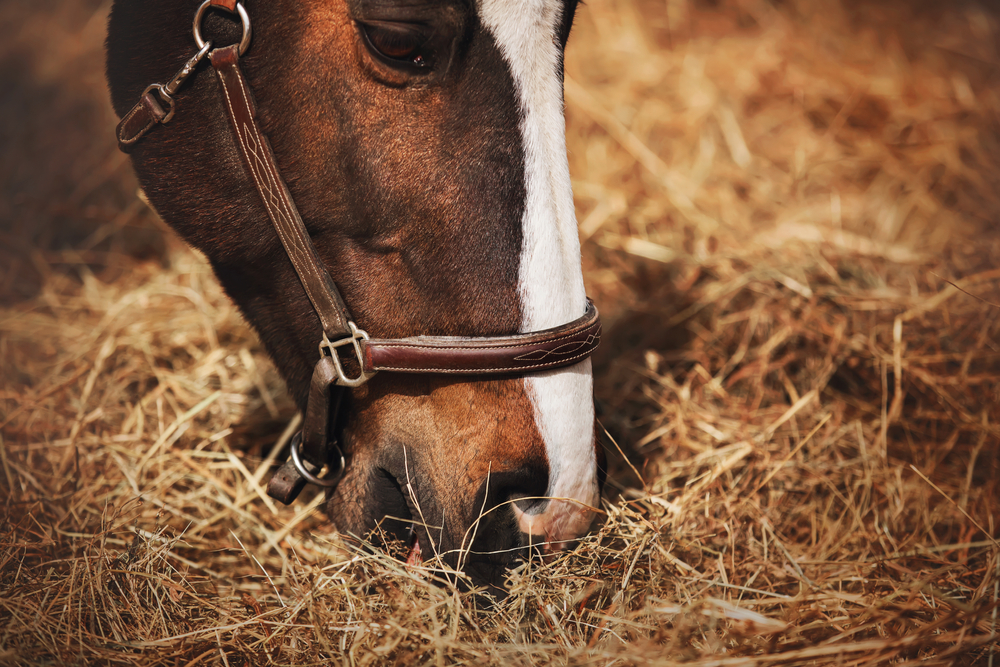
406 520
484 552
406 495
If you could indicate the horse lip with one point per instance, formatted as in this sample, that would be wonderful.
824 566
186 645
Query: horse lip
484 555
418 537
414 557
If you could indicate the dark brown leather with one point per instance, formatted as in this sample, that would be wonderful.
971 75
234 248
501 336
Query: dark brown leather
521 353
315 440
146 114
229 5
259 159
287 483
316 421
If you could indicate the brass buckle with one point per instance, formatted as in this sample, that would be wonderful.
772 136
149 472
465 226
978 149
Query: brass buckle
330 347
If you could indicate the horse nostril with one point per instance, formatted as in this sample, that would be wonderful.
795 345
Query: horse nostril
390 509
529 504
524 489
519 490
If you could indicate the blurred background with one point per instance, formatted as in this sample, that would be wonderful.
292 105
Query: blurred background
65 187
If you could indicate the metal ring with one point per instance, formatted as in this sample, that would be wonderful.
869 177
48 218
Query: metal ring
300 466
244 18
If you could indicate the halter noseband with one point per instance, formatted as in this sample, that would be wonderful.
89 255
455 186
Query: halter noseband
315 445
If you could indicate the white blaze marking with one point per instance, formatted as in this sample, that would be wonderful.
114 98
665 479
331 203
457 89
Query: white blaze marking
551 280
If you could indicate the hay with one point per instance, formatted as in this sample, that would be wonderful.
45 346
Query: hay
787 219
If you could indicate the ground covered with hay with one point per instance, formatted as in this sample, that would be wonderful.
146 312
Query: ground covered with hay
789 220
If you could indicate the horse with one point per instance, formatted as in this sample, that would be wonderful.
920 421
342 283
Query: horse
421 146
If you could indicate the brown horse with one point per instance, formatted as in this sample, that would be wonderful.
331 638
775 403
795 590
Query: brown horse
423 141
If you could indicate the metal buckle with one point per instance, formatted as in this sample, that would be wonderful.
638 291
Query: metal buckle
170 87
165 91
330 347
164 97
332 477
244 18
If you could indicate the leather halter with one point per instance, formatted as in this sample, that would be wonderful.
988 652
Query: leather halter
316 444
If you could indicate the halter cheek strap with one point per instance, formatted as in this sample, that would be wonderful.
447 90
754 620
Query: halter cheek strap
259 161
316 446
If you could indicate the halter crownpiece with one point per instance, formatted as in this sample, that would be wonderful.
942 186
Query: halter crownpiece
315 446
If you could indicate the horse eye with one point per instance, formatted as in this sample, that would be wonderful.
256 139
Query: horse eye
397 43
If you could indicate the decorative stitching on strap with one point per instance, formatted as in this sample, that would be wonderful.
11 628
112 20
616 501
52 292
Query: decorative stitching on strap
485 345
485 371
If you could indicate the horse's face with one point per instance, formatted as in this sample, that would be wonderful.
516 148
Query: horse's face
423 141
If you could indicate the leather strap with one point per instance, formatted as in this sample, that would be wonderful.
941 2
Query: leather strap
228 5
259 159
143 117
149 111
316 442
521 353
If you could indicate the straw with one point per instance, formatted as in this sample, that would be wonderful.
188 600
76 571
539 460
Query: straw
788 212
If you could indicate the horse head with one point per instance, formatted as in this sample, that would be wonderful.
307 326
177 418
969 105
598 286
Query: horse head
424 143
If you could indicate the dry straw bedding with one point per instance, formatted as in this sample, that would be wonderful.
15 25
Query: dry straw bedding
786 218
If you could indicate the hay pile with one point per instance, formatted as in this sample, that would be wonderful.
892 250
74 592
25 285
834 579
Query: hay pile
787 213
